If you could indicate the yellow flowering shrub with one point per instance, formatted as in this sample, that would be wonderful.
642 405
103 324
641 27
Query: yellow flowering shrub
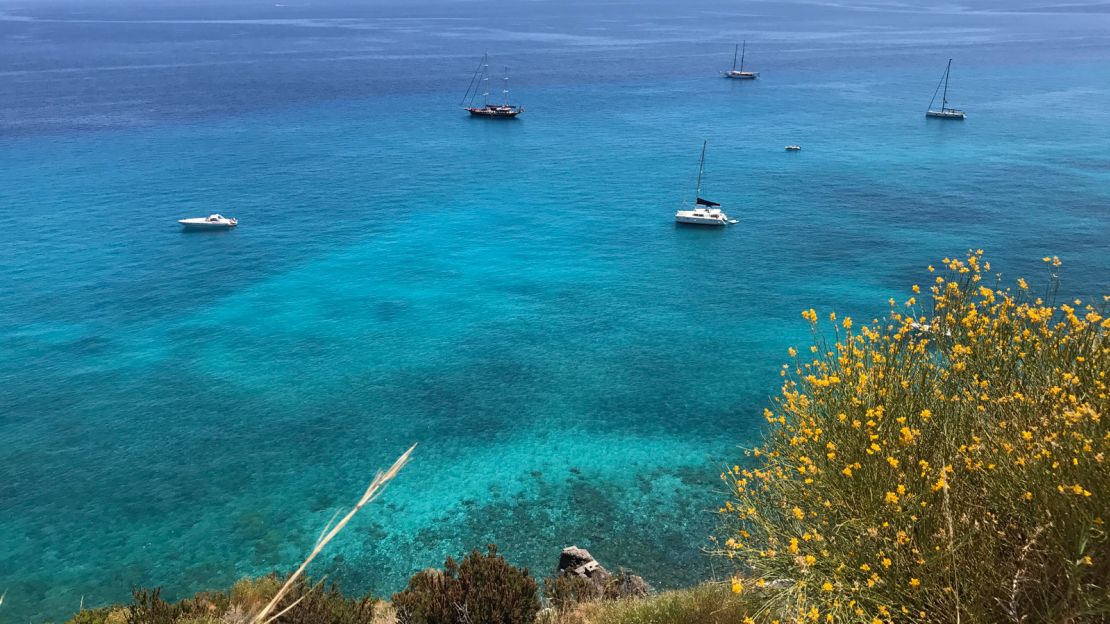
950 462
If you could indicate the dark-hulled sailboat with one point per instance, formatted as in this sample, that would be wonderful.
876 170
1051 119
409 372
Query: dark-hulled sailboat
944 112
479 85
740 73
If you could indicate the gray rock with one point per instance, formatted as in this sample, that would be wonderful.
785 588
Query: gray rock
578 562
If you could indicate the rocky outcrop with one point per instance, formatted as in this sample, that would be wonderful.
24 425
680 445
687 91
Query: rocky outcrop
577 562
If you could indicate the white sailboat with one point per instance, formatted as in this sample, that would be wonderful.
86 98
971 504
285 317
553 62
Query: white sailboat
740 73
944 112
705 212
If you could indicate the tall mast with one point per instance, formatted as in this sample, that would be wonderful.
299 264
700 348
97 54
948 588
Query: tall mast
944 98
742 54
475 82
485 82
735 51
505 91
701 167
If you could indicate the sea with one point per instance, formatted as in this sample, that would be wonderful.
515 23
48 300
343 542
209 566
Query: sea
181 409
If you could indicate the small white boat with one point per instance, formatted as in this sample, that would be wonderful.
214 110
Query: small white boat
703 216
793 148
211 222
705 212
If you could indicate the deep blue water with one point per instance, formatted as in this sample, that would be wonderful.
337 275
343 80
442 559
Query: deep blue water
183 409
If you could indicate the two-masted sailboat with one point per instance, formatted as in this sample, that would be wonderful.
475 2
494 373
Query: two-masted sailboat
740 73
479 85
705 212
944 112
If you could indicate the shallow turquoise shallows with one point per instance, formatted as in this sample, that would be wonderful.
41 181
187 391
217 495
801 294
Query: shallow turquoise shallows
181 409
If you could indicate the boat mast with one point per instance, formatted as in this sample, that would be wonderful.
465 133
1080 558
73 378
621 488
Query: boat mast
701 168
475 81
485 83
944 98
742 54
735 51
505 91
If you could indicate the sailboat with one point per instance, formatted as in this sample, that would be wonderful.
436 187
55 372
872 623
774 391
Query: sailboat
480 82
944 112
741 74
705 212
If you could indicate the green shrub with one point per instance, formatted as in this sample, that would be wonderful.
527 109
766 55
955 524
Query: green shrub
324 605
566 592
483 589
104 615
948 463
704 604
251 594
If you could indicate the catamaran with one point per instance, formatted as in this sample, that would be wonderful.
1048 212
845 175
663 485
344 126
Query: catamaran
944 112
480 82
705 212
741 74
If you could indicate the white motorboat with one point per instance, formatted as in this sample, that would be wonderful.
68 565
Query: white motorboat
705 212
211 222
793 148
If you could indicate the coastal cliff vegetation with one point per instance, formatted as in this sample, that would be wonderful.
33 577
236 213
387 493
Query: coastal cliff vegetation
945 463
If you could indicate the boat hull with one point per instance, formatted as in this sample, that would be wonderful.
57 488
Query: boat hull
736 75
493 113
701 217
189 224
948 114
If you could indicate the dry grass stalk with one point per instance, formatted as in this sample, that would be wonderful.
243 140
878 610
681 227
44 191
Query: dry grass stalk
372 491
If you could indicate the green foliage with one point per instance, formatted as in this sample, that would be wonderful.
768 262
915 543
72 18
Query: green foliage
704 604
564 592
315 604
251 594
324 605
483 588
949 462
105 615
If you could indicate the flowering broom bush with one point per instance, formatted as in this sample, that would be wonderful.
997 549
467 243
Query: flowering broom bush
947 464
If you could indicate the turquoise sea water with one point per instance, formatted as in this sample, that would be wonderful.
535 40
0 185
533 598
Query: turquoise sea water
183 409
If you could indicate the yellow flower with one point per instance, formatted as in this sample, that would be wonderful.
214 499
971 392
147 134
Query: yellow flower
827 586
737 585
792 351
865 568
926 413
915 582
891 498
798 513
